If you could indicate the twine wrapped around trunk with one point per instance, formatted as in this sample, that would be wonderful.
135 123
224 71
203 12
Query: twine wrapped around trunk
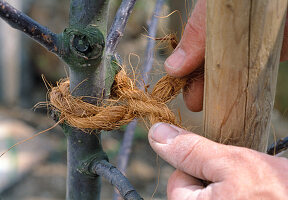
126 103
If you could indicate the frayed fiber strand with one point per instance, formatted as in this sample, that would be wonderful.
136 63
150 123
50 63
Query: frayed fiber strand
126 103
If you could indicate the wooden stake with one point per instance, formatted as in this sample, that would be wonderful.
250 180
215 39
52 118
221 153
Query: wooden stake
244 40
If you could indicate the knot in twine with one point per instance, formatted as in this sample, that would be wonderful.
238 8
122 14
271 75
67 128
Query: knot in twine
126 103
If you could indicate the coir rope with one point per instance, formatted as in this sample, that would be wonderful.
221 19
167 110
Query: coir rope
126 103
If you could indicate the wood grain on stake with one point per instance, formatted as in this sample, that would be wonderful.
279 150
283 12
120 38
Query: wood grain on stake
244 40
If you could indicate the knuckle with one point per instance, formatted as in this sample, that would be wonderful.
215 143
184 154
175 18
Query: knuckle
190 152
192 27
196 27
239 156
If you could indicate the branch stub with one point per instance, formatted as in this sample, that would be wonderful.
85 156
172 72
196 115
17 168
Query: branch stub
83 47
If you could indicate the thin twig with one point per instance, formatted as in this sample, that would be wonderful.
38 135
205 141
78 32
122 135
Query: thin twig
33 29
125 149
129 134
152 30
116 178
278 147
118 25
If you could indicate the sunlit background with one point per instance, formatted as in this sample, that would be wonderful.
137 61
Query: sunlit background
36 169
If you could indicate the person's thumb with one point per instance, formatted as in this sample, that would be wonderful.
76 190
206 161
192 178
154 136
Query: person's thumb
190 153
189 56
190 52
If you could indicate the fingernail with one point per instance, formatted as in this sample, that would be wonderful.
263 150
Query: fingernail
176 60
163 133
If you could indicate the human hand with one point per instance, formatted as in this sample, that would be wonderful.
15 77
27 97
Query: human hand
190 52
235 172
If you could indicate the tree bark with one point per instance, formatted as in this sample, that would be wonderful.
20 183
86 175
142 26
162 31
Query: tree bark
81 46
244 39
84 45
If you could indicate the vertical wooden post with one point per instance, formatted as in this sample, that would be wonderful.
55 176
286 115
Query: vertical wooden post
244 40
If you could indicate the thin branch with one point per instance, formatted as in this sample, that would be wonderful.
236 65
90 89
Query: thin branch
129 134
278 147
33 29
118 25
116 178
125 149
152 30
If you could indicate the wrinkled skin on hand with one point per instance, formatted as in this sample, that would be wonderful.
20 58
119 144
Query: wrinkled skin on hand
235 172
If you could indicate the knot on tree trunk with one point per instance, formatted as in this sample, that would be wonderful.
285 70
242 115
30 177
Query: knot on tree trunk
82 48
127 102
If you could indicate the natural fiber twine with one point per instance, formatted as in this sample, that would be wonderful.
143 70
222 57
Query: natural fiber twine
126 103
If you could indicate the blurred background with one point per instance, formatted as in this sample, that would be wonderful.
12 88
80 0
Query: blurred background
36 170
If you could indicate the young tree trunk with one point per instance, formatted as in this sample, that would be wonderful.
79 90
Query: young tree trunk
244 39
91 74
86 79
